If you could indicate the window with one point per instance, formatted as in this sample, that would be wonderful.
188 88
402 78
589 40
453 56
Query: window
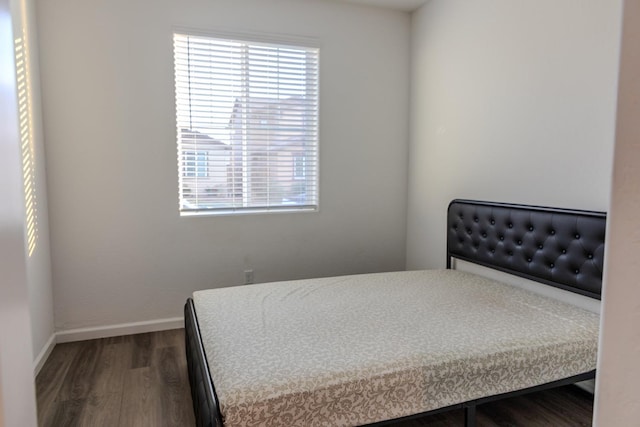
247 125
195 163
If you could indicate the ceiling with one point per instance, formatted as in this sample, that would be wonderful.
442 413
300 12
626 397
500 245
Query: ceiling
404 5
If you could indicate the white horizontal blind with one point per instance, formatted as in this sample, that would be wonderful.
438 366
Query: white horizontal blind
247 125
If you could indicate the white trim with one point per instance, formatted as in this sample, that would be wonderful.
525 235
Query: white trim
82 334
248 211
41 358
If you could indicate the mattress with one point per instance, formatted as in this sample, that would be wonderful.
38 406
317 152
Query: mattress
352 350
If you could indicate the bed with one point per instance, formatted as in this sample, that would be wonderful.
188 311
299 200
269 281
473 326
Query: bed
373 349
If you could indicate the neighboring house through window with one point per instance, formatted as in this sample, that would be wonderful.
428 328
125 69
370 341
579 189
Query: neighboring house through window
299 166
195 163
247 119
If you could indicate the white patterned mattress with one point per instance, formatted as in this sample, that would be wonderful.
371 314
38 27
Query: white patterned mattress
352 350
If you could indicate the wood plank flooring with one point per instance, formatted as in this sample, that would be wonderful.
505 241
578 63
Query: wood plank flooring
135 380
141 380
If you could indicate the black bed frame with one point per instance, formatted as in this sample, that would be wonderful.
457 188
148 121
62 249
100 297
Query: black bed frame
558 247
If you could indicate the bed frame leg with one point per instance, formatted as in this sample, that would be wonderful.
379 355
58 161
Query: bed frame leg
470 416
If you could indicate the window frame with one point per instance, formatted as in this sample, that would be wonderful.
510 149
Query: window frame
313 182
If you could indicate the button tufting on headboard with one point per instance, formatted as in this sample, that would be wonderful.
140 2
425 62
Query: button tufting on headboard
558 247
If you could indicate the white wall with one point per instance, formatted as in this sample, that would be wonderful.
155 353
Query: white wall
512 102
120 251
39 262
617 402
16 373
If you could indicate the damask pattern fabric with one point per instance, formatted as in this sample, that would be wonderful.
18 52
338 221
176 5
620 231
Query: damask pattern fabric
352 350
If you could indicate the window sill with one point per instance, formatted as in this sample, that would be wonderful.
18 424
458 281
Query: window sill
245 211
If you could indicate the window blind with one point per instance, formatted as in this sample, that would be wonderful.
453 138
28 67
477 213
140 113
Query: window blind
247 125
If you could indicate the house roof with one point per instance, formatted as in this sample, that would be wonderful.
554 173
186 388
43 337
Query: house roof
202 140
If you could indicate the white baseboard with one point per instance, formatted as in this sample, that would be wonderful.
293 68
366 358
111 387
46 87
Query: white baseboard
42 357
82 334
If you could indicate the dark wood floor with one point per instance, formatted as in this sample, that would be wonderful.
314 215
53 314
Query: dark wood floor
135 380
141 380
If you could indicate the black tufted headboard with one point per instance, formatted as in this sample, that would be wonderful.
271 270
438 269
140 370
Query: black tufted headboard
559 247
